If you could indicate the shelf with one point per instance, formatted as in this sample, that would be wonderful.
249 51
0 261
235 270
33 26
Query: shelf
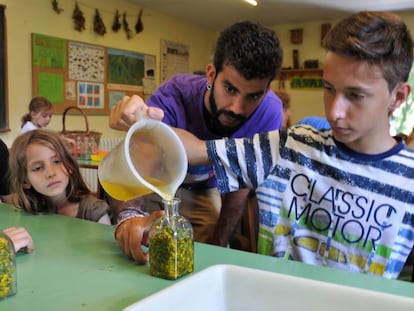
288 73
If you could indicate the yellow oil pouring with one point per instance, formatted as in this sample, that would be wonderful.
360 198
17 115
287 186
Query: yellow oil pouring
126 193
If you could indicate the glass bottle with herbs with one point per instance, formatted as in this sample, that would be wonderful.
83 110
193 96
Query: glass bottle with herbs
171 244
8 281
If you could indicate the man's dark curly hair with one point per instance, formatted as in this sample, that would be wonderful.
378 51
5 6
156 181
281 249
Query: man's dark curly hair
253 50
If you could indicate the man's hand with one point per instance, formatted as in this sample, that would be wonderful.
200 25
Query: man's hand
133 233
129 110
20 238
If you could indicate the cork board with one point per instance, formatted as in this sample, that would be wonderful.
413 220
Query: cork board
91 77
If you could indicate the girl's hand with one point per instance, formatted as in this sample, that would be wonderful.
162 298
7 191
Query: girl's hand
21 239
133 233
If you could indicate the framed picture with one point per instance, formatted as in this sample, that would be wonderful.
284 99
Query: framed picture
296 36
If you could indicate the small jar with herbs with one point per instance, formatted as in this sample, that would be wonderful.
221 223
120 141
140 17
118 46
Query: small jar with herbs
171 244
8 281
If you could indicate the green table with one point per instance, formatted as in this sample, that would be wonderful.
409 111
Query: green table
77 265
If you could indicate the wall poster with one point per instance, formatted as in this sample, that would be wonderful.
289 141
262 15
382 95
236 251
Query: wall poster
175 58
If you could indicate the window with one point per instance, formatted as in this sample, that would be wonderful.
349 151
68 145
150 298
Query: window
402 120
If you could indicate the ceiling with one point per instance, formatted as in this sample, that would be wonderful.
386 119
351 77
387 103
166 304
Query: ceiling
218 14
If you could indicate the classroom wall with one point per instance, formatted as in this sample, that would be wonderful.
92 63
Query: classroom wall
303 102
25 17
33 16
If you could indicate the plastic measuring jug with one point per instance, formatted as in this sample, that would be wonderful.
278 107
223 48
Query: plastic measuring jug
151 158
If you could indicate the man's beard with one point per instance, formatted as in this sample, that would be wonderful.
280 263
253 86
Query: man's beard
213 121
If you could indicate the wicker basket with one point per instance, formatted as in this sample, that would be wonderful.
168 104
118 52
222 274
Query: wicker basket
74 134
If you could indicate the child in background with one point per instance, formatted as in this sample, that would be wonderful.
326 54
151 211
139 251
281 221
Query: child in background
39 115
46 179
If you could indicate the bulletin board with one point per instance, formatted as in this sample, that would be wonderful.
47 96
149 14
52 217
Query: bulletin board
175 58
91 77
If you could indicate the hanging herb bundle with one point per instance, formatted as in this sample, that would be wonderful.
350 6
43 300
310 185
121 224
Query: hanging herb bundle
98 24
55 6
116 24
126 27
139 27
78 19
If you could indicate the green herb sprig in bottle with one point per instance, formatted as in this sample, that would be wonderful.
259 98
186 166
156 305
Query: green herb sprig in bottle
171 244
8 281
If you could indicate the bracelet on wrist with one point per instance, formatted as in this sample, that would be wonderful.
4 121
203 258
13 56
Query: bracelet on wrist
128 213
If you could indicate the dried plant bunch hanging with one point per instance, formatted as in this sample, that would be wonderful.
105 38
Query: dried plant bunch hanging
78 19
139 27
98 24
56 8
126 27
116 25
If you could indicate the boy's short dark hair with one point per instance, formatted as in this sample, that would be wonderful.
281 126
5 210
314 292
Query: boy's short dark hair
379 38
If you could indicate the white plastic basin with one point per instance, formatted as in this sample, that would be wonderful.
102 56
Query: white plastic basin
234 288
